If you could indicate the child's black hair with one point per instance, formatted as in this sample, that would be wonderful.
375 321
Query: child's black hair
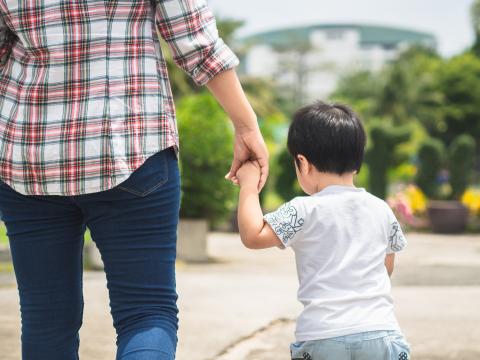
330 136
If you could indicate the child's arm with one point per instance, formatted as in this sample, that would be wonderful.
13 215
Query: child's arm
390 263
254 231
396 240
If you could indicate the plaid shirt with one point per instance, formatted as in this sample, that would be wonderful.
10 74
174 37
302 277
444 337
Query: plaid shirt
84 91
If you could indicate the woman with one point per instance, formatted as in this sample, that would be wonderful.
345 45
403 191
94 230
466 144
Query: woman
88 139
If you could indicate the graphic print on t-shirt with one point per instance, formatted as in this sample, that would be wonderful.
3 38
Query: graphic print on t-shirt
285 222
396 240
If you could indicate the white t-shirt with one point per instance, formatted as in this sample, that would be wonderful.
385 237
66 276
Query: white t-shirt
340 237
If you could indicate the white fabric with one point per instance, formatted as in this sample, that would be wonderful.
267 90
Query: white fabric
340 236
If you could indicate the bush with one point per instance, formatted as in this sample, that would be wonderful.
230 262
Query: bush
462 161
382 155
206 153
286 184
430 162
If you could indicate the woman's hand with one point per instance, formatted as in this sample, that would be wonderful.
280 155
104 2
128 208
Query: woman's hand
249 146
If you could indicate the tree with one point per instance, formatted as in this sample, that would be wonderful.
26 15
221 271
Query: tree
475 14
295 69
361 90
410 91
406 90
458 82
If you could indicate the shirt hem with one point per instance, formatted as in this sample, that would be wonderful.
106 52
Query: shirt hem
172 142
322 335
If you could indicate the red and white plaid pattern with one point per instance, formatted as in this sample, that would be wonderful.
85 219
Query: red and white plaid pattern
84 90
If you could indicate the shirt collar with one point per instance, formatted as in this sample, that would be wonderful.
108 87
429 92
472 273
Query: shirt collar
331 189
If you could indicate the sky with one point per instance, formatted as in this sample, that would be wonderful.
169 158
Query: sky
448 20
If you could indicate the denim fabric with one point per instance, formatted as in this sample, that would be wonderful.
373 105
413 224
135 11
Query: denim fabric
371 345
134 226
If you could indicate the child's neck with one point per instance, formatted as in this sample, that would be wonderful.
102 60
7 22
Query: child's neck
324 180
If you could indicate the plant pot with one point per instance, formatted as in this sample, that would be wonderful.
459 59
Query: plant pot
192 240
447 217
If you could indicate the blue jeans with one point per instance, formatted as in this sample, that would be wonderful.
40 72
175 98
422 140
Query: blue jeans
134 227
371 345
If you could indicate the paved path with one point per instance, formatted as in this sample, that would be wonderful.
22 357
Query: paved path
241 306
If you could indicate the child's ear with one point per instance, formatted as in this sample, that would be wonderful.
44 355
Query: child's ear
303 164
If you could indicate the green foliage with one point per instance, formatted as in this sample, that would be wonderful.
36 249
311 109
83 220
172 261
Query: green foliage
475 14
410 90
286 184
227 27
419 88
430 162
383 155
206 154
405 91
458 81
361 91
462 161
262 95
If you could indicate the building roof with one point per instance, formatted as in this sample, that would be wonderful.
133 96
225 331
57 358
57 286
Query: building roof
369 35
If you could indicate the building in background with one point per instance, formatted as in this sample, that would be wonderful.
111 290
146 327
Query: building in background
310 60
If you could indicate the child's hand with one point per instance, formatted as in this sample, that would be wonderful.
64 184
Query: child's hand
249 174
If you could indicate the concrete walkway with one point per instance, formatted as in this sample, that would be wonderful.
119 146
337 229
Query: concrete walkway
242 305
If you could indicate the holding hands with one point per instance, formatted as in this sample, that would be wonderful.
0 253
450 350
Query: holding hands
249 175
249 147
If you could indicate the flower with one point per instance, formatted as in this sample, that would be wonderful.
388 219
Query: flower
416 199
408 204
471 199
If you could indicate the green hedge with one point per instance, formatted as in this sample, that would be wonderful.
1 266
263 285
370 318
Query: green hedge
206 153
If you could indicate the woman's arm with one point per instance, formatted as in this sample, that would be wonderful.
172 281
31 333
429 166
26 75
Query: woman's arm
189 28
249 143
254 231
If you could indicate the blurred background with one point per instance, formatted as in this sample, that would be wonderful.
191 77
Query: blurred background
411 70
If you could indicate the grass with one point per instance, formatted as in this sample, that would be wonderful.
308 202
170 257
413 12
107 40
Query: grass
3 235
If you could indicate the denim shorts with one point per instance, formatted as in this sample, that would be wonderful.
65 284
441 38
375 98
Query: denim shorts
371 345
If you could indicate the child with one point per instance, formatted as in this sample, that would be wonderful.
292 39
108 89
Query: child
344 240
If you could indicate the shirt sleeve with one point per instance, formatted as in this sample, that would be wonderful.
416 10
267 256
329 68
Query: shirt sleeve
396 239
190 30
288 221
5 42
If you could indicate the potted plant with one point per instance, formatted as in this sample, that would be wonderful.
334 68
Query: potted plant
445 211
205 156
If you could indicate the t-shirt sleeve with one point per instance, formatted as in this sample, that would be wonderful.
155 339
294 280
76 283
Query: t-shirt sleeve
288 221
396 239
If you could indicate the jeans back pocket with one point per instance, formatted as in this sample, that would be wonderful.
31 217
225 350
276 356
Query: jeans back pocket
151 175
399 348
